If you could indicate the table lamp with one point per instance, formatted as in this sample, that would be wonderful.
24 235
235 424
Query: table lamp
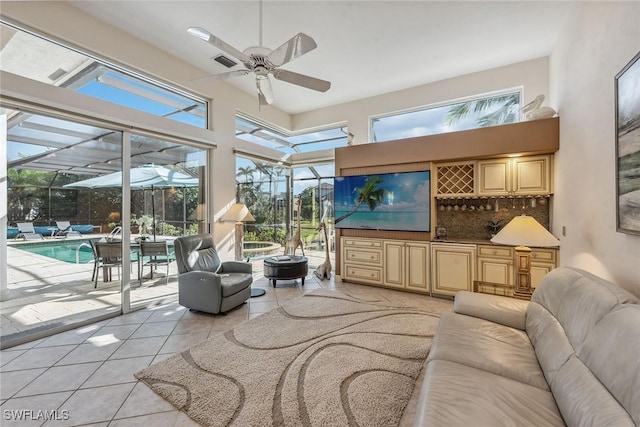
239 214
524 231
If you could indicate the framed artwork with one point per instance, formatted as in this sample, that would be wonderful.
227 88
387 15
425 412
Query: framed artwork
627 94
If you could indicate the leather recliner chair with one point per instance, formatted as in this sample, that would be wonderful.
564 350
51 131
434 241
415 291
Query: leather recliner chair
204 282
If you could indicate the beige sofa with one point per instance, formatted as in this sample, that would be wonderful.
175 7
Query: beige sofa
570 356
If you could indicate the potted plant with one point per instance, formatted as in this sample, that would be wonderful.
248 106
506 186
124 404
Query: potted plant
494 226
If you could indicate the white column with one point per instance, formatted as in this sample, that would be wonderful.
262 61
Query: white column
4 274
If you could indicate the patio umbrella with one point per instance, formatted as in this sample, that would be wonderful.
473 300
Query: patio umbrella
142 177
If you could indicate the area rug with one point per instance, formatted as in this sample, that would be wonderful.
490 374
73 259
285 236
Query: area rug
324 359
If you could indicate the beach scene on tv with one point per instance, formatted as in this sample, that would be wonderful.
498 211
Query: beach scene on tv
393 201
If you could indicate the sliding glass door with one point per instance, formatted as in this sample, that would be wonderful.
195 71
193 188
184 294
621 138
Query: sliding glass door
68 209
52 224
167 188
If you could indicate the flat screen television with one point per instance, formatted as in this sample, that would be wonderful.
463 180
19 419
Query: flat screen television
388 201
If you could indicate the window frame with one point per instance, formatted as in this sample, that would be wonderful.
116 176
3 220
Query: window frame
447 103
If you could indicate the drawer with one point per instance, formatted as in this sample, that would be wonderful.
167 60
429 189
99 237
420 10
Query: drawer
495 252
362 256
543 255
363 243
365 274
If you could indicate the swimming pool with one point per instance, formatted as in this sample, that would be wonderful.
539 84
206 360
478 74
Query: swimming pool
62 250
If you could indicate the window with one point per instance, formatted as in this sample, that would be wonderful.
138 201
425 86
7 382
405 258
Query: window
39 59
249 130
496 109
269 189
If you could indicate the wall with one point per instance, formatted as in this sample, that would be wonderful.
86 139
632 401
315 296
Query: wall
599 39
531 75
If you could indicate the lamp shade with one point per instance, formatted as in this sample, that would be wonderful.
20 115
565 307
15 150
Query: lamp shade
238 213
524 230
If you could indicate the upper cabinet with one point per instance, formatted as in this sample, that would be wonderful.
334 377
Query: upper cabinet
515 176
518 176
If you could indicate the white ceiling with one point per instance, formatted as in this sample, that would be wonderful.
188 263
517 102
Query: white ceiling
365 48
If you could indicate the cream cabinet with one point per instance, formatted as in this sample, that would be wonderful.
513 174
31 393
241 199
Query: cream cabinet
361 260
543 260
453 268
495 266
515 176
406 265
391 263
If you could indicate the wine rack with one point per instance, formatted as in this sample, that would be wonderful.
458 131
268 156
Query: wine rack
455 179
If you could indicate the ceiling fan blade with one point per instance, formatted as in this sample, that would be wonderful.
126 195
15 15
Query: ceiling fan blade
302 80
205 35
265 94
297 46
222 76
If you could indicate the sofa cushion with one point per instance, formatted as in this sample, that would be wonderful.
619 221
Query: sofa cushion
612 352
488 346
196 253
505 311
233 283
458 395
586 338
578 300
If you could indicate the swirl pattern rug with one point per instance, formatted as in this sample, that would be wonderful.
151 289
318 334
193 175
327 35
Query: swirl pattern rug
324 359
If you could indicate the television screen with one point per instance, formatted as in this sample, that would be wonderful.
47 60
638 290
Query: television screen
389 201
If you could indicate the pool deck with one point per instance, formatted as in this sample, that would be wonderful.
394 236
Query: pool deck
47 293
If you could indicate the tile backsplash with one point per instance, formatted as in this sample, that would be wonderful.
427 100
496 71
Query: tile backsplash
468 218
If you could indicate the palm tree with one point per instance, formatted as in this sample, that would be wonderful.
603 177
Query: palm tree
504 114
369 194
247 172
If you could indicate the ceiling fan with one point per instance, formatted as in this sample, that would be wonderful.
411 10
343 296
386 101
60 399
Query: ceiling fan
262 61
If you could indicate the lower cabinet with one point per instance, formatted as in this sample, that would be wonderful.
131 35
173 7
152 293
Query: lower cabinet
406 265
453 268
391 263
542 261
439 268
495 267
362 260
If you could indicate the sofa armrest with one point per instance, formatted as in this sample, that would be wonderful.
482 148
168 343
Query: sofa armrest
201 278
236 267
200 290
504 310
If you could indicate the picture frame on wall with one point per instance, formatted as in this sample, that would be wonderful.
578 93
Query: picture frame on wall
627 107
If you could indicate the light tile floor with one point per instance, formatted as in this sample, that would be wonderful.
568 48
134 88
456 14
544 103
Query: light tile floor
47 293
86 374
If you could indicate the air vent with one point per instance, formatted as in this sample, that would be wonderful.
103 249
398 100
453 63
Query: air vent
57 74
221 59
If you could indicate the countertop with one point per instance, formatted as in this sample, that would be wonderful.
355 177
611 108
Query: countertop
476 242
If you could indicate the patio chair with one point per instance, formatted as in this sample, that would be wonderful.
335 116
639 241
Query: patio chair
109 255
96 259
204 282
158 254
64 229
27 232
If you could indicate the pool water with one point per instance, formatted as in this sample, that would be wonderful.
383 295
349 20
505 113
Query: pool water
62 250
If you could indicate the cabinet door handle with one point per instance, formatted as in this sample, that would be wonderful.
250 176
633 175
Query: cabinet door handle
533 254
495 252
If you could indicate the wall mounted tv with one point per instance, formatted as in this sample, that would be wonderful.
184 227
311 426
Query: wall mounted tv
388 201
